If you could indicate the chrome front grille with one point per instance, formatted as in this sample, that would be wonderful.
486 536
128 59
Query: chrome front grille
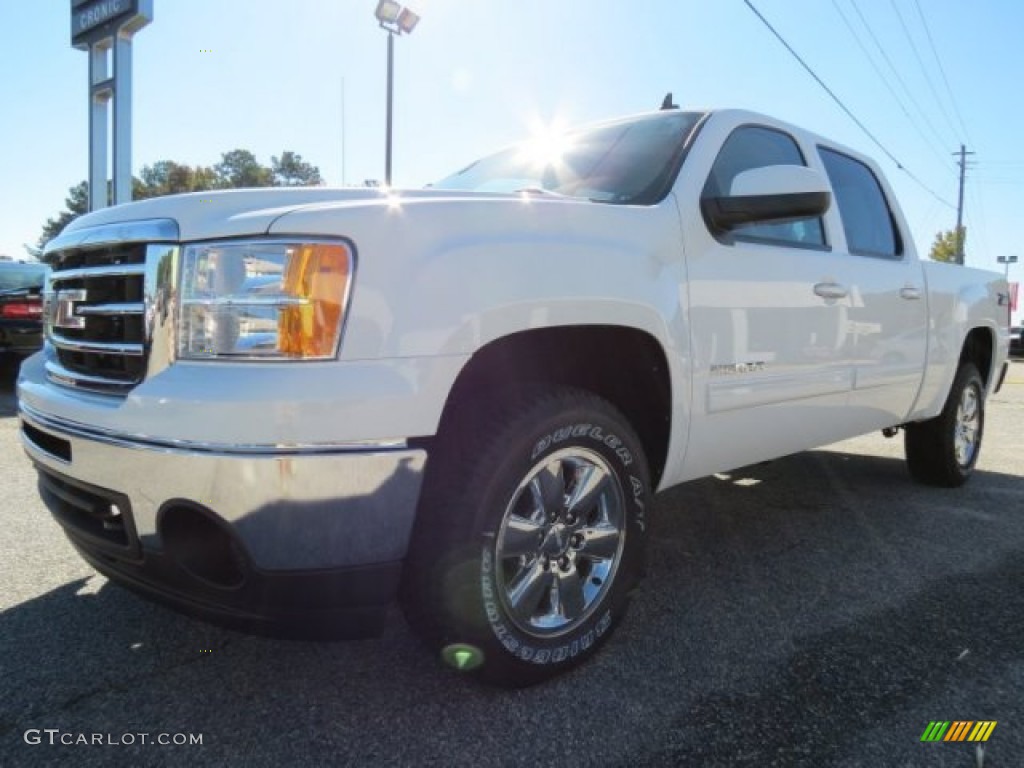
109 305
97 324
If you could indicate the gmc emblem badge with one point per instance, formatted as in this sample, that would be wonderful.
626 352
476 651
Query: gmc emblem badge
64 312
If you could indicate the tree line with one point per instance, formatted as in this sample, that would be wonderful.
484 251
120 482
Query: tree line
237 168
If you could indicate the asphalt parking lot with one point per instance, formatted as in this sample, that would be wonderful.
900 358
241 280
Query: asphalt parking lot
820 610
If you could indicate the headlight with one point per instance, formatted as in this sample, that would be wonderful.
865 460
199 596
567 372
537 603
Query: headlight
266 300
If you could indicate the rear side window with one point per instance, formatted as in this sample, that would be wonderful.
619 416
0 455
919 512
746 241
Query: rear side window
867 219
754 146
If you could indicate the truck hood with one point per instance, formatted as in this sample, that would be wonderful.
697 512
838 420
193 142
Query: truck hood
244 212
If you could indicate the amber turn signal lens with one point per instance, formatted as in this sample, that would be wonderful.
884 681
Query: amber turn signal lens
317 275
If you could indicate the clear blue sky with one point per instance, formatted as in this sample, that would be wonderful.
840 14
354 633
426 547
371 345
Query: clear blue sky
476 74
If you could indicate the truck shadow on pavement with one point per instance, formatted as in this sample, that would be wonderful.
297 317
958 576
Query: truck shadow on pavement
818 610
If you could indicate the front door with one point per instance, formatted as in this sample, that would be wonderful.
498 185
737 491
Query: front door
770 310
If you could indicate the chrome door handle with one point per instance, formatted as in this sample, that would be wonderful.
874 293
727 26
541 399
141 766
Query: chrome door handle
910 292
831 290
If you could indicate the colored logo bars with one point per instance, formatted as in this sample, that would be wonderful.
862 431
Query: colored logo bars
958 730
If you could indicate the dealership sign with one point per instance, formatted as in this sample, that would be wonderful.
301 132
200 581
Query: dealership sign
93 20
105 29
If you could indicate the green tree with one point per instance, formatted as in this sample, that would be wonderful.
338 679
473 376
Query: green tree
237 168
945 246
76 203
167 177
240 168
290 170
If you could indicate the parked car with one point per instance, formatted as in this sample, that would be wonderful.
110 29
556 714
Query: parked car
1017 341
21 309
293 407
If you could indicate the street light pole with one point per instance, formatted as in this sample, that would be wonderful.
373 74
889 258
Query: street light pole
1006 261
395 20
391 91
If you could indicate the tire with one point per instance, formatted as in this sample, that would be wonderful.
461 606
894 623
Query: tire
529 537
943 451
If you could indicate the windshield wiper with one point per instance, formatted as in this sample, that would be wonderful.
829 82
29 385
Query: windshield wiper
539 191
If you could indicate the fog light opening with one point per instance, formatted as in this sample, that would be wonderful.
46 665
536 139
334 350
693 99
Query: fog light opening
202 546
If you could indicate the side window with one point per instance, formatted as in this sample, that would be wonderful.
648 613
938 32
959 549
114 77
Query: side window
754 146
867 220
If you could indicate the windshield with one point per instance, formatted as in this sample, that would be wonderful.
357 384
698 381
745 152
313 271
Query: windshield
15 276
627 161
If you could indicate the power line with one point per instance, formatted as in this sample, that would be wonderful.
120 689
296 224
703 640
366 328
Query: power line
982 226
843 107
931 214
942 70
885 81
924 71
896 73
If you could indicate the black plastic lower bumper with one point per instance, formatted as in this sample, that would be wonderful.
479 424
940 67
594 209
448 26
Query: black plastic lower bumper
311 604
315 605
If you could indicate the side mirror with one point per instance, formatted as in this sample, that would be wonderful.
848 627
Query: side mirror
769 195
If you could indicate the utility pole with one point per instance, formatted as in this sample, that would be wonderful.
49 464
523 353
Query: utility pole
960 204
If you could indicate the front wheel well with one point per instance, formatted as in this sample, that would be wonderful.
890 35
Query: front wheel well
625 366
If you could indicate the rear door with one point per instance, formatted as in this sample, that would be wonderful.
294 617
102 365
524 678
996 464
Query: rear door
887 332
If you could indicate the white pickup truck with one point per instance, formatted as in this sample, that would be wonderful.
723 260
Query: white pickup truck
288 408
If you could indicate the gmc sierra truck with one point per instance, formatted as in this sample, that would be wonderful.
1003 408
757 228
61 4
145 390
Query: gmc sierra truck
289 408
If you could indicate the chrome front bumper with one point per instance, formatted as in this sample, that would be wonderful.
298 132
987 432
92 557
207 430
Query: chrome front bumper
290 509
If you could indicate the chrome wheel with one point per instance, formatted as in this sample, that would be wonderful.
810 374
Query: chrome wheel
560 542
967 426
943 450
530 534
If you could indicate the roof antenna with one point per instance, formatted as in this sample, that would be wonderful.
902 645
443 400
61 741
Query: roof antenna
666 103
